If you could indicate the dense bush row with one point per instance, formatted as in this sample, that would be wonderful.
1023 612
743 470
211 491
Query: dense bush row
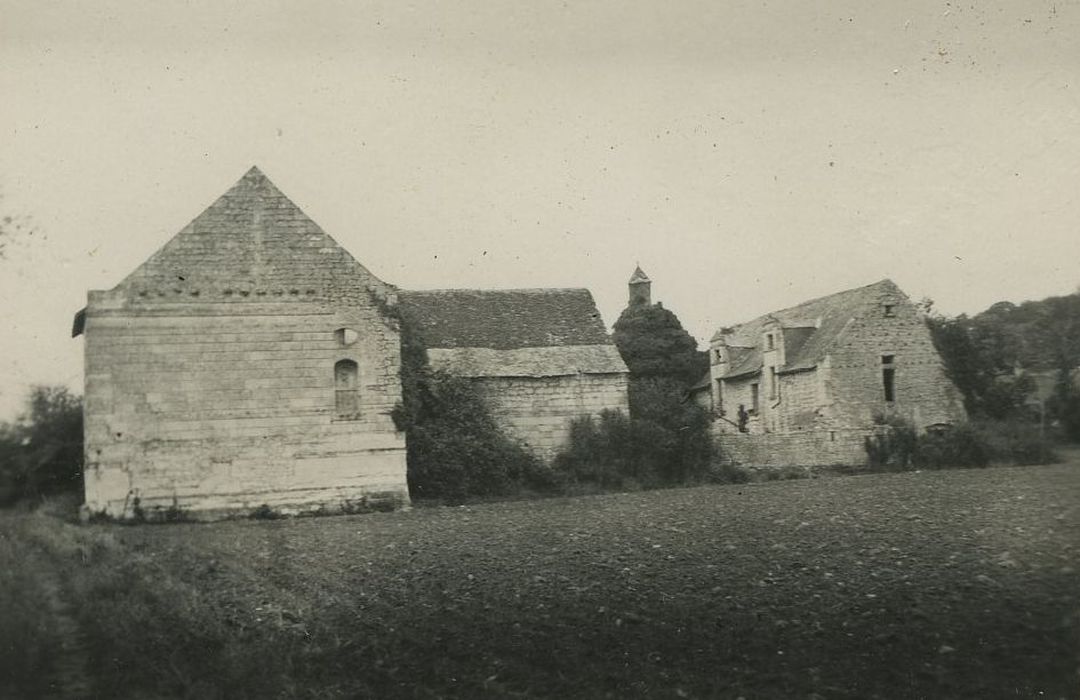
898 446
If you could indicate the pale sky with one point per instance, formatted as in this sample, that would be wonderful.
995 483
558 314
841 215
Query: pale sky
747 155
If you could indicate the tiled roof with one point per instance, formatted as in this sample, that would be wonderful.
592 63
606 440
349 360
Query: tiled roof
505 319
512 332
252 239
810 328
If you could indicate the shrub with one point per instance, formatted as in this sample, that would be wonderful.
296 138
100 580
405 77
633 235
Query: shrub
265 512
892 446
1065 405
615 451
455 448
898 446
724 472
1070 417
960 446
1015 442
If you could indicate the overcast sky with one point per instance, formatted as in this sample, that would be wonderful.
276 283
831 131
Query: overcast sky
748 155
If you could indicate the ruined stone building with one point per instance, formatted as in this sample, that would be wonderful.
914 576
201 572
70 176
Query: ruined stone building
805 385
252 360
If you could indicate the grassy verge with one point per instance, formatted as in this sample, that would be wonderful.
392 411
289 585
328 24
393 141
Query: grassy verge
30 641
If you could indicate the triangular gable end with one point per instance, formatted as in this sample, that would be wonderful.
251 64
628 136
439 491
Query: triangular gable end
252 239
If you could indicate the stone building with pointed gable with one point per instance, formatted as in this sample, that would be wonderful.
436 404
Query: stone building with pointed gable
807 384
252 360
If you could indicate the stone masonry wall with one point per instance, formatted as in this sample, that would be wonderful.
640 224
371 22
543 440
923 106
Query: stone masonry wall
214 407
853 373
798 407
806 448
824 414
538 410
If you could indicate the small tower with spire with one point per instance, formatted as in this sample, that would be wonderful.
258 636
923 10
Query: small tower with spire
640 288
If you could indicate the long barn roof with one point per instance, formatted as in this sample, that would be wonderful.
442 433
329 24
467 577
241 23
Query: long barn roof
512 332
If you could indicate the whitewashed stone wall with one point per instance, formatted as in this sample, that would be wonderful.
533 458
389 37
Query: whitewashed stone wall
218 405
538 410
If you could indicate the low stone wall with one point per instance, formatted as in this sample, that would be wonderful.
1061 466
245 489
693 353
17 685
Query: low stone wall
812 448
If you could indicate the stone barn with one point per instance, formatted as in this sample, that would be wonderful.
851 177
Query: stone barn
252 360
806 385
249 361
540 356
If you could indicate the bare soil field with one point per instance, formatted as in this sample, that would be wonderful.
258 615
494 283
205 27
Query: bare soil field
949 584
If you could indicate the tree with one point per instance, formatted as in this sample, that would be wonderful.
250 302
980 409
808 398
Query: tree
653 343
1065 404
666 435
42 452
980 358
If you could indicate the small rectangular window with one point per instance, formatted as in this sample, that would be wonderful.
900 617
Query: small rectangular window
890 310
770 341
754 398
888 377
346 390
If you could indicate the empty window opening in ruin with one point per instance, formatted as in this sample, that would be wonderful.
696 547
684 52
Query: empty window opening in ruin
770 341
346 390
888 377
889 310
754 398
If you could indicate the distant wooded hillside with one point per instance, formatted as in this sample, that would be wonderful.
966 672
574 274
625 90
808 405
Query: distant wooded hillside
1011 354
1038 335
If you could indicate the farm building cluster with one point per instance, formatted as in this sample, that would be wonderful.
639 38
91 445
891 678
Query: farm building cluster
253 361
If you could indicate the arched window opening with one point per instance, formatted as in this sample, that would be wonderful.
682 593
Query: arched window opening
346 390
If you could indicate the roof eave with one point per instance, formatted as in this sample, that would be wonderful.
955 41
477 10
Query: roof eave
741 375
